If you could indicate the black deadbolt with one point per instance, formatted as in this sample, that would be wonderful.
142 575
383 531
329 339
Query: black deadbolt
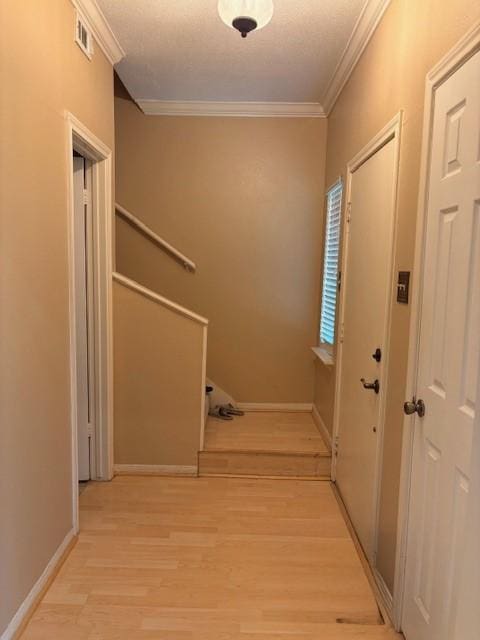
377 355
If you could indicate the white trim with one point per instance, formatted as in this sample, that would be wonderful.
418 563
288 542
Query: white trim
387 600
391 132
324 354
155 470
203 389
155 297
362 33
465 48
80 138
317 418
231 109
286 407
460 53
100 29
186 262
88 48
368 570
29 603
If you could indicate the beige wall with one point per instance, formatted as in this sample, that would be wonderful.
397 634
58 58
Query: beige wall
158 381
390 76
323 388
42 73
243 198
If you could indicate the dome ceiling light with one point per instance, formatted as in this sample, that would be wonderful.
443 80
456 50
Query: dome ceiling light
245 15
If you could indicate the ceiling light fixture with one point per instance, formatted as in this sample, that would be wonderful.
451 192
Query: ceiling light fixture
245 15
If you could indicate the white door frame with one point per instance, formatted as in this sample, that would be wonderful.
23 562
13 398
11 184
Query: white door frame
459 54
391 132
84 262
86 143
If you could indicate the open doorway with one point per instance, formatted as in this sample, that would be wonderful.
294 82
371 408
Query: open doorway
90 258
85 316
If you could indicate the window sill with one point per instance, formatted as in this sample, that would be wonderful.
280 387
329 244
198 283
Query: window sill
325 355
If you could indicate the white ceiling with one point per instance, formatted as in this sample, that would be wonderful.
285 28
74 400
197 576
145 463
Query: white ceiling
180 50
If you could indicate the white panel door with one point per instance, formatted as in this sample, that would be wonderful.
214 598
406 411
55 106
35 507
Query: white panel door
367 289
448 361
83 316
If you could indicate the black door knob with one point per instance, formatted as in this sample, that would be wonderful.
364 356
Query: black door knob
374 386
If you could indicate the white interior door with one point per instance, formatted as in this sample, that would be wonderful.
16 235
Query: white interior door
448 362
367 284
84 316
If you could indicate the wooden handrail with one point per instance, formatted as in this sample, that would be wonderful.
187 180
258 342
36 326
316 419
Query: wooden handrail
188 264
155 297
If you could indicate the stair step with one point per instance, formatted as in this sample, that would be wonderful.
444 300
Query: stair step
264 463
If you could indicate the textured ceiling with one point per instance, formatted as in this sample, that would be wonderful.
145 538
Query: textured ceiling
181 50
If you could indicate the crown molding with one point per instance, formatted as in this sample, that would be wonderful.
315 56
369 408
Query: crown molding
364 29
232 109
100 28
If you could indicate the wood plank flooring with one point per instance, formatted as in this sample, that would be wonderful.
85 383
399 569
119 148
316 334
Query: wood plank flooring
209 559
264 463
265 444
265 431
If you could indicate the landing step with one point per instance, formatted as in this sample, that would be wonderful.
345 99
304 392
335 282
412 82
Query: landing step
265 464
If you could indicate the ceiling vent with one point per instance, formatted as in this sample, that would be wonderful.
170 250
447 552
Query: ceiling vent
83 35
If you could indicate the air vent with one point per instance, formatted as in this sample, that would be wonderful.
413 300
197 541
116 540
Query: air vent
83 36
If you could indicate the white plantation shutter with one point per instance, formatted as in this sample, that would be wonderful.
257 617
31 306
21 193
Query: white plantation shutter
330 265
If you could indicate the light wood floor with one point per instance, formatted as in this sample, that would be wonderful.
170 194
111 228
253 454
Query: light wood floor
265 431
209 559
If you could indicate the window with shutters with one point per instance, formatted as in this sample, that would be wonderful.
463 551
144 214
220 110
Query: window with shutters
330 264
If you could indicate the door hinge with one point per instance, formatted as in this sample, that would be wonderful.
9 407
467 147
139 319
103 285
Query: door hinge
335 446
342 332
349 211
90 429
86 195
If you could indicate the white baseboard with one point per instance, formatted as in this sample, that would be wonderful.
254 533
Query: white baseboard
387 599
380 591
321 427
30 601
154 470
298 407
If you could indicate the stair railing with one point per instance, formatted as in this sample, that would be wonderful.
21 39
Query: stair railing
187 264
